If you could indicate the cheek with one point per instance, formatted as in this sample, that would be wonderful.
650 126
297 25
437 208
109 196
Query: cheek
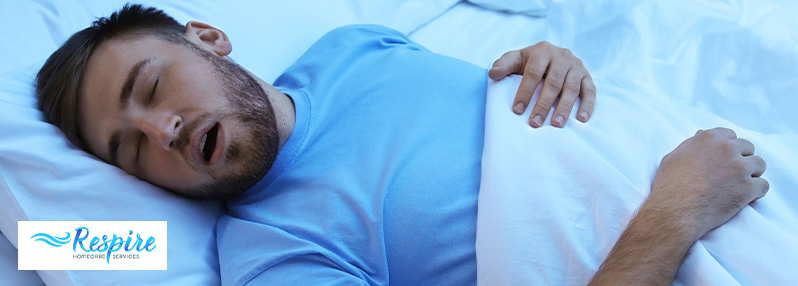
170 171
196 86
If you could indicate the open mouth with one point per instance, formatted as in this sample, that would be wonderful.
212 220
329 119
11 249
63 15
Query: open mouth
208 143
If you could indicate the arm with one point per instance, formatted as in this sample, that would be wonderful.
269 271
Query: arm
565 77
306 269
699 186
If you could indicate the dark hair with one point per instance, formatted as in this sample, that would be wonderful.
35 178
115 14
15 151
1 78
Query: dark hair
58 83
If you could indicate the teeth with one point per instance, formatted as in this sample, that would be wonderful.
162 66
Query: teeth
202 144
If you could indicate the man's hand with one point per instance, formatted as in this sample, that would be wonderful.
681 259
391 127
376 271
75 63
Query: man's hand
565 77
709 178
699 186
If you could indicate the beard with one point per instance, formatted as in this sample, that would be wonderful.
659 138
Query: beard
248 160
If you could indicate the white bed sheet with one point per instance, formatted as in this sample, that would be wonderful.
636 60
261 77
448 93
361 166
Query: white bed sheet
478 35
554 201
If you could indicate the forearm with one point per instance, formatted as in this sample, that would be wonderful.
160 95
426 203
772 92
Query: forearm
649 252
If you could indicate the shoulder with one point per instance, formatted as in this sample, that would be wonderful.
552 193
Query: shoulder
340 49
359 39
362 33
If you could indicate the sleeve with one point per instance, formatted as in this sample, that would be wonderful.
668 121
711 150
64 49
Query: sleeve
251 253
310 269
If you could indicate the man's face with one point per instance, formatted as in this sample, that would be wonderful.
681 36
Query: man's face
179 117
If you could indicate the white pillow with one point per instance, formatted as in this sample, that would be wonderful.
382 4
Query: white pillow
43 177
8 267
536 8
267 35
46 179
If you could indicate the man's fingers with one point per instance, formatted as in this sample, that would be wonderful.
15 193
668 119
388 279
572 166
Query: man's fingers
565 78
756 165
533 73
761 187
509 63
555 78
725 132
570 92
746 147
588 94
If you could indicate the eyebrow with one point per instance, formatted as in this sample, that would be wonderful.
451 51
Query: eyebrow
124 96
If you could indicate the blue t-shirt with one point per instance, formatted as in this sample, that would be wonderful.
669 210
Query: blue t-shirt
378 182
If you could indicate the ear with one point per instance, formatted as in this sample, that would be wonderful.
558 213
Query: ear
208 37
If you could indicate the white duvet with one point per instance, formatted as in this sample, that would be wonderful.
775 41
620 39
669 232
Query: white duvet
554 201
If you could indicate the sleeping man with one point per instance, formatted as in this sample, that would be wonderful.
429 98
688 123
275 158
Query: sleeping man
361 164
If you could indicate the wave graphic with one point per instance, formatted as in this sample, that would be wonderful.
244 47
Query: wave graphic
51 240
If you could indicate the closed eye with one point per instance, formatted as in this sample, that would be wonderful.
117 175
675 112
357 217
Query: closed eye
138 148
152 94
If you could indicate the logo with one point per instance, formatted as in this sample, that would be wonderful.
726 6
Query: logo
95 245
54 241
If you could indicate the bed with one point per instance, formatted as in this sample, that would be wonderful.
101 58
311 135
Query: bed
676 65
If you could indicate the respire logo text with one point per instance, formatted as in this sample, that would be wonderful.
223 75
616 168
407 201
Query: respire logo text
92 245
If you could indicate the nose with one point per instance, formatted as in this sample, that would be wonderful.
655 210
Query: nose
161 129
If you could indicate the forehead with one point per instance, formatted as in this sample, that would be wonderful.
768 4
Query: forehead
111 58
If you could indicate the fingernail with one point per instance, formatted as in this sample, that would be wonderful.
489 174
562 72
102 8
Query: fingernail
558 121
583 116
537 120
519 108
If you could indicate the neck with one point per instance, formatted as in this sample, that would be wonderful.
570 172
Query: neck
284 110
